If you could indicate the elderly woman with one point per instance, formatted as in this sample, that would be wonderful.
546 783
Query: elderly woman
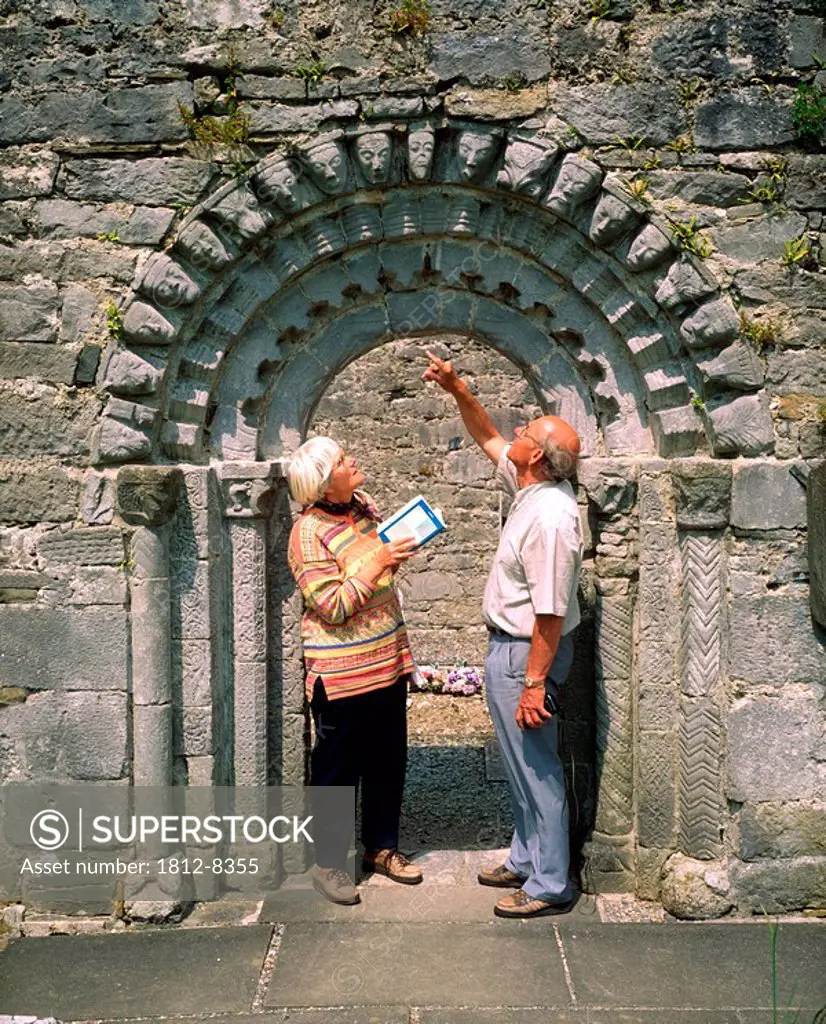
357 658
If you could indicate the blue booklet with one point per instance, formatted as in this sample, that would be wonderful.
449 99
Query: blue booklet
416 519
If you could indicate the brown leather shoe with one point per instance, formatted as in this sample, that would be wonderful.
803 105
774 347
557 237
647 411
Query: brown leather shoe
519 904
336 885
501 877
393 864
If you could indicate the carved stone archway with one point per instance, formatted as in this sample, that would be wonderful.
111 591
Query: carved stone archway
279 280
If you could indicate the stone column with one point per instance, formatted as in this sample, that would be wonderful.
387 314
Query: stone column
611 487
247 489
146 499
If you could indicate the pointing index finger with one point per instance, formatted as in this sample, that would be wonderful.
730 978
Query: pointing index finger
439 362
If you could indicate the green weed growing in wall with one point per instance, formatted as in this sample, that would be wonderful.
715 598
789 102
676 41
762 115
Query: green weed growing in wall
411 17
637 187
234 127
809 113
310 73
114 321
761 334
797 252
687 236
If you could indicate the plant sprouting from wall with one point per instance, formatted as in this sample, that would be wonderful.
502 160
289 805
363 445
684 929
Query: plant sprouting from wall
311 74
231 129
688 92
771 184
687 236
809 113
797 253
761 334
637 187
599 9
682 144
114 321
411 17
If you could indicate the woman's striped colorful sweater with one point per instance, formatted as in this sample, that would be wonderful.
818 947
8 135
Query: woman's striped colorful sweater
353 632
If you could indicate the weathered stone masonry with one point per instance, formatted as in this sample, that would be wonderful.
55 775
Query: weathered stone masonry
148 628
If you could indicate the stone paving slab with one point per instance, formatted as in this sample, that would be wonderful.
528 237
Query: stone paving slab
417 964
420 903
724 965
130 975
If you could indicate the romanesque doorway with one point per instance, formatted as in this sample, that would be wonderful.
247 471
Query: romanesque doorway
409 439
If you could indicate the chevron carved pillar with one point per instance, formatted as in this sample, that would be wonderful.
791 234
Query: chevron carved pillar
702 498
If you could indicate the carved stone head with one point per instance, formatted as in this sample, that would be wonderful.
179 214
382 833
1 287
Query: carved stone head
241 214
577 180
475 152
373 151
202 247
683 284
144 325
421 143
612 218
128 374
715 323
167 284
148 496
526 167
327 165
650 247
278 183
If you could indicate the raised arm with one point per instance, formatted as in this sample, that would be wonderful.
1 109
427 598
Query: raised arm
479 425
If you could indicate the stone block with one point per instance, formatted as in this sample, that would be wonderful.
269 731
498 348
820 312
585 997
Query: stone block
746 118
77 313
774 641
432 586
98 505
656 793
191 604
98 585
765 496
781 830
94 739
695 889
774 887
197 731
693 47
85 546
261 87
282 117
649 869
495 104
600 113
771 742
37 495
797 372
26 172
192 660
757 240
46 421
145 114
493 50
816 515
54 364
808 43
806 185
702 491
55 649
154 181
703 187
152 744
28 312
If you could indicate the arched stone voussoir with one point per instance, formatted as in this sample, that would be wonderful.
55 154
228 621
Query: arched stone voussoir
543 224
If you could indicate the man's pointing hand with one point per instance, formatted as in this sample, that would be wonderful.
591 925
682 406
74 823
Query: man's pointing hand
442 373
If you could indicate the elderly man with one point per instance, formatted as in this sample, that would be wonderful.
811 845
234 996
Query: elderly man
530 608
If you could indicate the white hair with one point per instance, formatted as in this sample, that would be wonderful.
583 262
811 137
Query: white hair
309 469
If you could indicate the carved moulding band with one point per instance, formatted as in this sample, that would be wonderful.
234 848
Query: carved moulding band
171 289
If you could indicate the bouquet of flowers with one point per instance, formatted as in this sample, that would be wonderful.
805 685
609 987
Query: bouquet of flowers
460 681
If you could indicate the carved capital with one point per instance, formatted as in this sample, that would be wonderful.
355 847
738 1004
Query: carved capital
148 495
248 488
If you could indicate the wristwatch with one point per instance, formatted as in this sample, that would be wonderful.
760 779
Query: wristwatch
532 682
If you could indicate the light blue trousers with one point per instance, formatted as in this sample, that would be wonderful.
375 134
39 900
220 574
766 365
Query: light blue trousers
539 848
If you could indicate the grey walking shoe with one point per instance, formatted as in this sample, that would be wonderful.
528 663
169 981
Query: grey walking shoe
336 885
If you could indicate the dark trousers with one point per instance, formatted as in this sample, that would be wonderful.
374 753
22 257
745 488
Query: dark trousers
360 740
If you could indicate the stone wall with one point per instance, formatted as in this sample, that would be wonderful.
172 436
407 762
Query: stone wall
695 371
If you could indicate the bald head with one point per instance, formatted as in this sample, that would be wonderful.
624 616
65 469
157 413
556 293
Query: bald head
559 443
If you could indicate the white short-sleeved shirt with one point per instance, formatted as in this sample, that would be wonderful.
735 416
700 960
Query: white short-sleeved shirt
536 567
